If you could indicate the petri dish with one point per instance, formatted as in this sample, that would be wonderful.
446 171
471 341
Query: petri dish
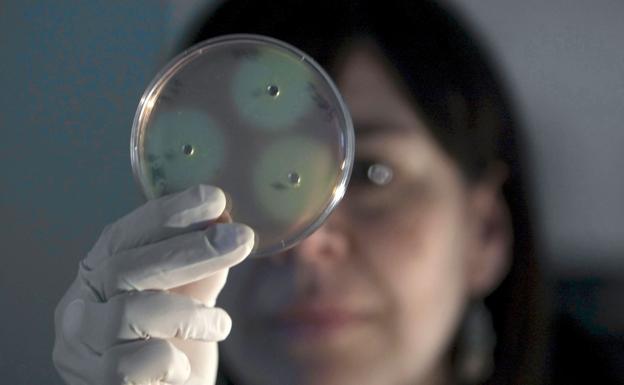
259 119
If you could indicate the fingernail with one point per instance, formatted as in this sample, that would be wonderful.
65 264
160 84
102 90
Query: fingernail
224 324
198 204
227 237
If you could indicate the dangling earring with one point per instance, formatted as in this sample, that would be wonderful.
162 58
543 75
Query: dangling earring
475 345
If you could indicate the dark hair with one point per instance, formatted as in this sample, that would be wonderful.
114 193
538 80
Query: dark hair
461 98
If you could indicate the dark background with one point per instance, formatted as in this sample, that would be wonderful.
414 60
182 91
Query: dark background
72 73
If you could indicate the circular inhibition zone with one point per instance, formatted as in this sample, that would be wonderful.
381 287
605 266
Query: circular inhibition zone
272 89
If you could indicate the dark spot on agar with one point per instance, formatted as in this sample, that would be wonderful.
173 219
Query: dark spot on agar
188 150
273 90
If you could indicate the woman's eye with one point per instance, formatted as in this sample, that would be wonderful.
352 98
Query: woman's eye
372 172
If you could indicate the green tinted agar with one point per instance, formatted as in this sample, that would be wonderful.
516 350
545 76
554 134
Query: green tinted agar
257 118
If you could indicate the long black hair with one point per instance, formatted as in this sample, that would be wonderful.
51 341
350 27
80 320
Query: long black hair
461 98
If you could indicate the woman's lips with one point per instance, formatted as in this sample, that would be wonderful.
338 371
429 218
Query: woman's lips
314 321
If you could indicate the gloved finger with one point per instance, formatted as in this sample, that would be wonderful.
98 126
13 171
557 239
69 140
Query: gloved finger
145 363
174 262
151 314
205 290
159 219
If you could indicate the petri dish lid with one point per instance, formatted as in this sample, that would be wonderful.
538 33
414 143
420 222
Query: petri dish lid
255 117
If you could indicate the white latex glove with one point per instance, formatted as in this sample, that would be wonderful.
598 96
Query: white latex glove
141 310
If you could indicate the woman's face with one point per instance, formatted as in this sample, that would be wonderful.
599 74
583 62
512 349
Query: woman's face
376 294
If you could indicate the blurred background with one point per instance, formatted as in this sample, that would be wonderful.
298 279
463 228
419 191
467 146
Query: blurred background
72 74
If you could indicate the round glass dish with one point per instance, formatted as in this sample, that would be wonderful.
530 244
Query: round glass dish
255 117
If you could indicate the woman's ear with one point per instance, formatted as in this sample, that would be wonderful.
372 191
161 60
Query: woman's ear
490 256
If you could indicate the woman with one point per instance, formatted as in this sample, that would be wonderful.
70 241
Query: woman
425 278
425 101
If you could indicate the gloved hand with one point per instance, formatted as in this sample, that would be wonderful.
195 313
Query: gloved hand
141 309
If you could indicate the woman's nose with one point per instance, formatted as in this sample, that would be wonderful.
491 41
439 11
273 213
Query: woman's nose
327 245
